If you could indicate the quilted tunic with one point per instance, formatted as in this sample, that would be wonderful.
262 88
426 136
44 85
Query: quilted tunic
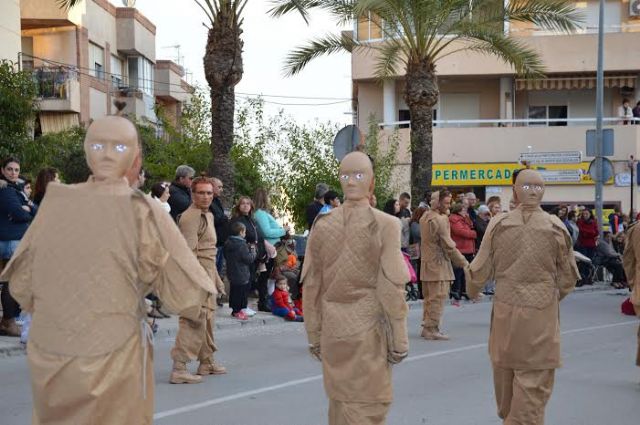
529 254
354 277
87 261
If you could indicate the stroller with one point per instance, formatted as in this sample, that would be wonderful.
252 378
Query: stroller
411 287
586 268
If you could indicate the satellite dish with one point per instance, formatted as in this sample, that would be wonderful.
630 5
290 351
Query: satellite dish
346 141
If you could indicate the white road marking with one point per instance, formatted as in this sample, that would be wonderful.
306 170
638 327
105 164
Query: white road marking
293 383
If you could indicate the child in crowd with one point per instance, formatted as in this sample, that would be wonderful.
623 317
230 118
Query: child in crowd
239 256
281 302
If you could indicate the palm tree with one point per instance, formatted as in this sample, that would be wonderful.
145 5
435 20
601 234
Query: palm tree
417 34
223 69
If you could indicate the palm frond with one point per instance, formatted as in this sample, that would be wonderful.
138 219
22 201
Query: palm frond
67 4
524 59
556 15
388 58
207 12
329 44
284 7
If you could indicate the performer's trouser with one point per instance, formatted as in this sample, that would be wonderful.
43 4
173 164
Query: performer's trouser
435 295
521 395
195 338
638 354
351 413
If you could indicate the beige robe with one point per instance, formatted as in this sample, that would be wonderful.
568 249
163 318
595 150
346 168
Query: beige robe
438 250
196 341
530 256
632 269
83 268
354 303
529 253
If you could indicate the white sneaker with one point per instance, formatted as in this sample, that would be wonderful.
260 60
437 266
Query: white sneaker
249 312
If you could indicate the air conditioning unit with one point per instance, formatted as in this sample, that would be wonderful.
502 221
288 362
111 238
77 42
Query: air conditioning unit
634 8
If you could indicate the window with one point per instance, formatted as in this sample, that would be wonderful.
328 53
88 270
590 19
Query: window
96 61
369 27
141 74
548 112
117 72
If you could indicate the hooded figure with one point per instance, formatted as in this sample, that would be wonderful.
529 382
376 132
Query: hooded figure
631 262
355 312
91 255
529 254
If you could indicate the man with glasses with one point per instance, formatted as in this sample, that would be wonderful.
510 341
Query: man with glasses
180 190
530 255
195 337
220 220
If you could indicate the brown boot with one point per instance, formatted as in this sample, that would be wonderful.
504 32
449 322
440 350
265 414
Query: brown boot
434 335
9 327
180 375
210 367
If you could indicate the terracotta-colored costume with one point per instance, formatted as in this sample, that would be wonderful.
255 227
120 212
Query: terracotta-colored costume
83 269
355 311
529 254
195 340
437 252
631 262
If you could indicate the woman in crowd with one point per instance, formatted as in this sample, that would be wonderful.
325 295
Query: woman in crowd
588 233
15 216
414 243
271 231
45 176
161 193
464 235
392 207
243 213
494 205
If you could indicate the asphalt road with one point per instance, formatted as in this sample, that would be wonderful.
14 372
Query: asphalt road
272 380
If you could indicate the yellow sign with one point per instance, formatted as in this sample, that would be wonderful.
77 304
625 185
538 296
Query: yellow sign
497 174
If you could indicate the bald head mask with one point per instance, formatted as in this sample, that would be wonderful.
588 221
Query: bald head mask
111 146
356 176
528 189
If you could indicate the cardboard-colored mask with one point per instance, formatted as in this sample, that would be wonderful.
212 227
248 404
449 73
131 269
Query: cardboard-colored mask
356 177
528 189
111 146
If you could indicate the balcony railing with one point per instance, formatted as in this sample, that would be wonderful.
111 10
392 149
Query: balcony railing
53 83
526 122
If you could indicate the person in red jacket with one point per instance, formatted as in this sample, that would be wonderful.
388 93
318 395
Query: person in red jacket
464 235
281 302
588 227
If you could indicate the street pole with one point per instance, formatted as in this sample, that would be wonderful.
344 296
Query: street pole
631 166
599 111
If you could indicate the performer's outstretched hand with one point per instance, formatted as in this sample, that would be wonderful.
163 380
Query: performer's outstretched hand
394 357
314 349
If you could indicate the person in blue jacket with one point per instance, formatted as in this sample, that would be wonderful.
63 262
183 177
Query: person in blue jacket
271 231
16 213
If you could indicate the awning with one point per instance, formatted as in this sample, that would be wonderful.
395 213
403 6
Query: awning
53 122
576 82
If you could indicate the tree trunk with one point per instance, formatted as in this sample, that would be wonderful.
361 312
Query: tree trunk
421 95
223 70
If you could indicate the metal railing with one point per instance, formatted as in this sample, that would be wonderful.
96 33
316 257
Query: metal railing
53 82
525 122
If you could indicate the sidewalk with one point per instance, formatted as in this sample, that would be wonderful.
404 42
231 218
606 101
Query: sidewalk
169 327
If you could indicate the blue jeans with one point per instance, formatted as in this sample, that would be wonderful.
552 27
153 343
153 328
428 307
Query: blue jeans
7 248
219 261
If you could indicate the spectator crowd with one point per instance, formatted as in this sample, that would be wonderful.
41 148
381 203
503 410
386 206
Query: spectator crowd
260 259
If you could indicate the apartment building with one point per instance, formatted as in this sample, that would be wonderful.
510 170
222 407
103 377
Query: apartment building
10 30
87 57
487 116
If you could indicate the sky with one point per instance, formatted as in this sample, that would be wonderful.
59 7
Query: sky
266 43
